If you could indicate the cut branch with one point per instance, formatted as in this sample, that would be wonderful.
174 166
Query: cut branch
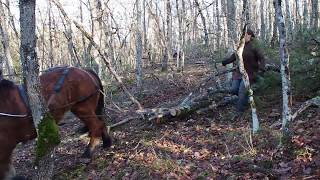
245 78
108 64
314 101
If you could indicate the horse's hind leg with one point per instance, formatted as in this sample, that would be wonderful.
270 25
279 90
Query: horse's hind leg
96 127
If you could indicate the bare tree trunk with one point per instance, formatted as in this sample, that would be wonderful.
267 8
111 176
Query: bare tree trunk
32 82
203 19
219 29
298 15
231 23
246 16
166 53
274 39
68 34
5 43
183 24
50 56
145 38
289 21
224 13
12 20
178 59
262 20
315 14
138 47
232 30
305 14
285 73
245 77
84 46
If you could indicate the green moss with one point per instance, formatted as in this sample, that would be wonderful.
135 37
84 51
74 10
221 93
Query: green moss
48 136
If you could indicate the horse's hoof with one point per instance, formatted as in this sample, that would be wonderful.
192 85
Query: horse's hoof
82 130
107 142
87 154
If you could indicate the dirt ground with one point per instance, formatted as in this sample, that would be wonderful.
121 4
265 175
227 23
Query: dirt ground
200 146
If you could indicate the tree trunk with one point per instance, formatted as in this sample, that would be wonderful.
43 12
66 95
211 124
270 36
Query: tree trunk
166 53
219 29
50 53
5 43
262 20
285 73
178 58
68 34
203 19
183 24
305 14
274 39
85 59
231 23
246 15
31 80
138 47
145 38
289 21
315 14
298 14
245 78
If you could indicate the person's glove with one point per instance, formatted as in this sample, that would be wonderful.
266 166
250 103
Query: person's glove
261 71
223 63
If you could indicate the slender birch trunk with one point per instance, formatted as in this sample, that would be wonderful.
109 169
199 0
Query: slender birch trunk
305 14
219 29
203 19
166 51
178 59
6 44
315 14
262 20
285 73
289 21
138 46
245 78
50 53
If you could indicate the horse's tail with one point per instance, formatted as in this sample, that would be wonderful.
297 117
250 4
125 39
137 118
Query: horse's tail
100 106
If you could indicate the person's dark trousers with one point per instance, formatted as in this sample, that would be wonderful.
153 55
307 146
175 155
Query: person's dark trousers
238 88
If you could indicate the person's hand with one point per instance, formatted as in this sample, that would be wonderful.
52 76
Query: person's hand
223 63
261 71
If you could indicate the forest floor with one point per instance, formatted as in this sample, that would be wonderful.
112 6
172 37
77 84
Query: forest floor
199 146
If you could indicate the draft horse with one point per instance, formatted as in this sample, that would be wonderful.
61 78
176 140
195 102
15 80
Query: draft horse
64 89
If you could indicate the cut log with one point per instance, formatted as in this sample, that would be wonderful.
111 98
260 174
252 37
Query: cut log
187 107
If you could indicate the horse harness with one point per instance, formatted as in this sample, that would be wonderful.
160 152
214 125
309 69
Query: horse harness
57 88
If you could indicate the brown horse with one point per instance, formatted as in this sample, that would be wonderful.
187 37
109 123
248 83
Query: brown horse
64 89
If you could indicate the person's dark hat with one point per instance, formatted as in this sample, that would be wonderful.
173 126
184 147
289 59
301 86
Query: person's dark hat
250 32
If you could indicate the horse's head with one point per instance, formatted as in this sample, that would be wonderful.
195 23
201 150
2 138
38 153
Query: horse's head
19 129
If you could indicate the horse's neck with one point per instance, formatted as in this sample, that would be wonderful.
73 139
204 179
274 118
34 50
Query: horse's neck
23 94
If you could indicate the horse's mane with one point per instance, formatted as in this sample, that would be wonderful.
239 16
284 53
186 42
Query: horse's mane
5 87
54 69
4 83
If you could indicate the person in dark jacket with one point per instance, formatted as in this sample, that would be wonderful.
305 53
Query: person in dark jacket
254 62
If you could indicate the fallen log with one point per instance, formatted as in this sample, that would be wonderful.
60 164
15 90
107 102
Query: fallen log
188 106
